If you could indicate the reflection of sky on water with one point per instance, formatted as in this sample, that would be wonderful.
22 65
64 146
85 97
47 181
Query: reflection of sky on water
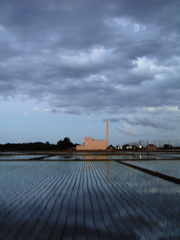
65 157
172 155
103 157
171 168
97 194
88 156
20 157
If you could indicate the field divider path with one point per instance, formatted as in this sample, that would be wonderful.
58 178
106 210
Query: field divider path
153 173
154 216
99 200
121 202
148 202
156 213
129 199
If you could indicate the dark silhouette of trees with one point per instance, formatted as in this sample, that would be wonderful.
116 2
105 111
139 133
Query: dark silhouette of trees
38 146
65 144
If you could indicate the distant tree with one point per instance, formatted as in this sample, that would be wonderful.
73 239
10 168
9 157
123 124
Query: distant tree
65 144
135 148
111 147
167 146
37 146
60 144
126 146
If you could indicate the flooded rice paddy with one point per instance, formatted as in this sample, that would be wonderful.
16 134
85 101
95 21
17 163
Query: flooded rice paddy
85 156
104 157
16 157
170 168
86 200
68 196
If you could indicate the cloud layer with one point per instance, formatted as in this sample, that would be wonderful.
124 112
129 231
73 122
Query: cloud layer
84 57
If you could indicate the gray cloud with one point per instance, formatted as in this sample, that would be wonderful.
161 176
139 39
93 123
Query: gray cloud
145 122
152 123
128 130
88 56
115 119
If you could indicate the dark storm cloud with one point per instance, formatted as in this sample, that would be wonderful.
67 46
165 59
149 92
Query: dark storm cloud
90 56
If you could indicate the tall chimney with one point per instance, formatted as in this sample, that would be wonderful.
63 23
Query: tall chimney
107 132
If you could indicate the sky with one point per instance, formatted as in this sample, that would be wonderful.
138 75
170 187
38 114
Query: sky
66 66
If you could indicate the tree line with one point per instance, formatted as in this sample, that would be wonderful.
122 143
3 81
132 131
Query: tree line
64 144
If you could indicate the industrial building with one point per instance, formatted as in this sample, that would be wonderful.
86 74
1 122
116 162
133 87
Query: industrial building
151 147
91 144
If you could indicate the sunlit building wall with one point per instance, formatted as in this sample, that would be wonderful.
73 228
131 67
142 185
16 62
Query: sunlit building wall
151 147
91 144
